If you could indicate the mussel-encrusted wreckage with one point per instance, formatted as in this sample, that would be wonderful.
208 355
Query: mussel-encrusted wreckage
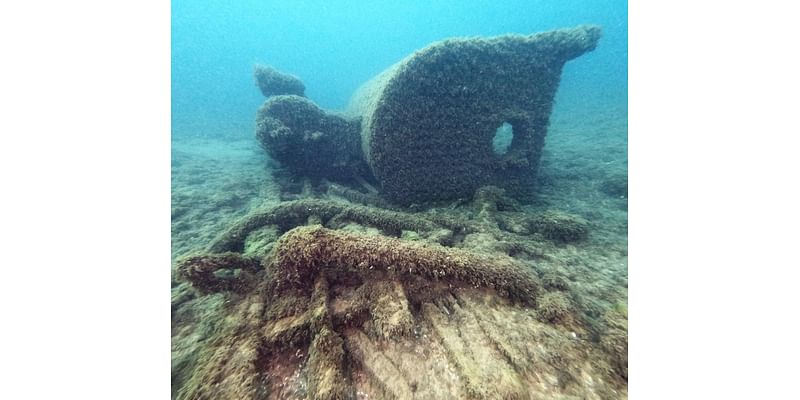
424 127
346 293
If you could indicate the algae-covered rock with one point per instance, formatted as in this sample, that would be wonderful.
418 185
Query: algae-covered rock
259 242
428 121
554 281
410 235
560 227
218 272
614 340
554 307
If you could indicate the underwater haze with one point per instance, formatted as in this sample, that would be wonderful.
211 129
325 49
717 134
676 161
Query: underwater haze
362 209
335 46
